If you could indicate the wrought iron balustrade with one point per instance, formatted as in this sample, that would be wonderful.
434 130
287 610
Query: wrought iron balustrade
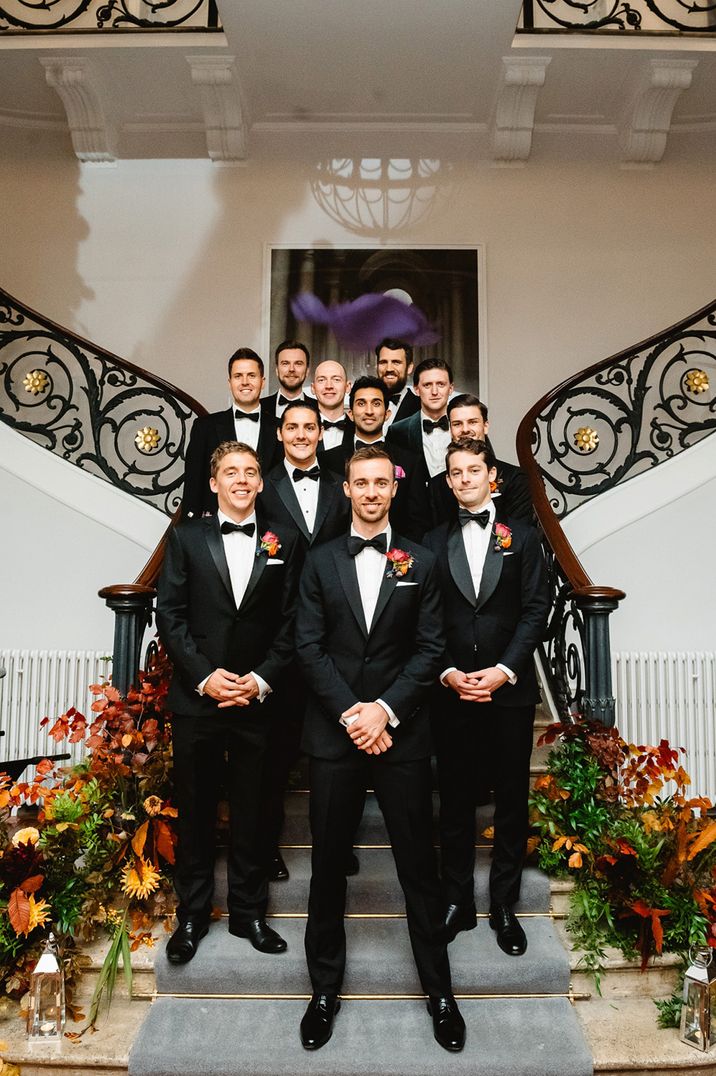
595 431
108 16
612 16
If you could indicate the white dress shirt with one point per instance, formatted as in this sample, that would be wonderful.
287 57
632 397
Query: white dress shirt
434 446
395 407
281 407
306 490
334 437
247 431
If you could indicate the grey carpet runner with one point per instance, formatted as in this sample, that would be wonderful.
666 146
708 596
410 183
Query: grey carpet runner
534 1034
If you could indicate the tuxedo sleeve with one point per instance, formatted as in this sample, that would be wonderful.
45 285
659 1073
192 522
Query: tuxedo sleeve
173 615
532 624
280 654
196 471
516 500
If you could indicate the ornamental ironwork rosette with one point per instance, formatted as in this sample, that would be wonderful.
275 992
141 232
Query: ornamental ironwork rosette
87 406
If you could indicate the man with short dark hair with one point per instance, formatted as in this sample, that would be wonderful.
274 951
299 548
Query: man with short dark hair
394 365
292 362
494 588
243 422
427 431
225 613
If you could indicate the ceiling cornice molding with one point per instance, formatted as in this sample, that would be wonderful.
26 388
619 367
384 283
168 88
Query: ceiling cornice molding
79 87
646 121
514 116
224 115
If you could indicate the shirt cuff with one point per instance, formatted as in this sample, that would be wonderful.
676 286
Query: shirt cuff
264 688
392 719
508 673
200 687
446 672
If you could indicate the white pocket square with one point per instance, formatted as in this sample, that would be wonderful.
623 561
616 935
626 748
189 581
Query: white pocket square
272 560
406 585
505 553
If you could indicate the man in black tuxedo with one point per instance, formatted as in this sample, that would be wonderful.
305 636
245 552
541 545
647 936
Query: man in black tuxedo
369 405
427 431
369 638
225 615
330 385
467 417
292 362
243 422
306 498
394 365
494 588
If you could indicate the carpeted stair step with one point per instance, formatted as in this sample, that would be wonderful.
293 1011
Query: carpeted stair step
380 961
375 888
184 1037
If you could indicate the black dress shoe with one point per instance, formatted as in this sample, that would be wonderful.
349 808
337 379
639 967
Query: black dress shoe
457 918
317 1023
510 935
352 865
184 942
276 869
448 1024
260 934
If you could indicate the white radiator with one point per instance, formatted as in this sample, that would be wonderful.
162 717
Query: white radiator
671 696
45 683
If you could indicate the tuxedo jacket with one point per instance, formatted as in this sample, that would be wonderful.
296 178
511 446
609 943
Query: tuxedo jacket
506 621
407 432
268 404
408 406
198 621
410 512
343 662
514 500
278 499
207 433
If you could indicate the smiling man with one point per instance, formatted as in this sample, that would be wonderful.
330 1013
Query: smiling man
369 639
292 363
225 613
428 430
330 385
394 365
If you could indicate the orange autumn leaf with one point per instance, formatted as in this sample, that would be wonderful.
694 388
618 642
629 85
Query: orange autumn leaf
18 910
165 841
44 767
4 798
170 812
127 739
140 838
706 837
575 860
31 885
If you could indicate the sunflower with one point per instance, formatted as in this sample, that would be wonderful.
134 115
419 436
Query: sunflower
140 878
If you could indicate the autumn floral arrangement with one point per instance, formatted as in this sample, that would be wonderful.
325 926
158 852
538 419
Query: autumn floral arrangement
616 819
98 852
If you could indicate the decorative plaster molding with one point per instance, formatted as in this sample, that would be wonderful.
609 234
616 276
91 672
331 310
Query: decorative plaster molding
224 120
647 119
79 89
514 118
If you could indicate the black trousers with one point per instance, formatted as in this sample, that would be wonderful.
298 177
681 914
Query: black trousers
467 734
282 753
201 745
403 790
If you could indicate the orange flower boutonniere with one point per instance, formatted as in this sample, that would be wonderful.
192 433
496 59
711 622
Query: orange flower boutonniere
269 544
400 562
503 536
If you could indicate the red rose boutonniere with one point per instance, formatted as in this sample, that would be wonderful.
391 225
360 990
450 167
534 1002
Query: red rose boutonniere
269 544
503 536
400 562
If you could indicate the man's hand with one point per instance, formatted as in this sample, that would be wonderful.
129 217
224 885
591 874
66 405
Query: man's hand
229 689
478 686
368 727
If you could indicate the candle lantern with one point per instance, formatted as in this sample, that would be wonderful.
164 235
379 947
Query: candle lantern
698 1012
46 1014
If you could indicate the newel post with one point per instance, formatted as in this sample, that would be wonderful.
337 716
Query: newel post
596 605
131 604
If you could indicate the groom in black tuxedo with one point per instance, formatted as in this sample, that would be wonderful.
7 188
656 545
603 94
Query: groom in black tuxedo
225 615
370 639
496 603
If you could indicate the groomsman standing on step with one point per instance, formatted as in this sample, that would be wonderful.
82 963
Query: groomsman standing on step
369 636
494 588
394 365
292 362
225 615
428 430
330 386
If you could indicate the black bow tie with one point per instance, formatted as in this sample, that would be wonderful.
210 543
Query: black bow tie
312 472
245 528
396 398
483 518
356 545
252 416
441 424
368 444
339 424
283 401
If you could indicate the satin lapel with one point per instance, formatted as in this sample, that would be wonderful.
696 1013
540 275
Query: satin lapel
491 571
416 438
459 568
387 587
284 488
349 581
216 548
225 427
257 569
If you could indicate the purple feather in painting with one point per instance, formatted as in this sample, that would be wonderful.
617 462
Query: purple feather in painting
363 323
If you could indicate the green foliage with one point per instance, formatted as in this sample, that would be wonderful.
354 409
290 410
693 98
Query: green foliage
669 1011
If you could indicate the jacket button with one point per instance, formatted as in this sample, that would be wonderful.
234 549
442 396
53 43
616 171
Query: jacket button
366 661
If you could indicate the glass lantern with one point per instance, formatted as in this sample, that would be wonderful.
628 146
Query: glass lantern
46 1014
698 1012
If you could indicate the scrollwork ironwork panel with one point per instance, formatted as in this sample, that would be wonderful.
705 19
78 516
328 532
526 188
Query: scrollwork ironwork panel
563 649
651 16
25 16
630 416
111 419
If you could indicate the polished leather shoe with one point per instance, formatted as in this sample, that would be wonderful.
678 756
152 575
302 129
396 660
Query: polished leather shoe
457 918
184 942
510 935
317 1023
448 1024
260 934
352 865
276 869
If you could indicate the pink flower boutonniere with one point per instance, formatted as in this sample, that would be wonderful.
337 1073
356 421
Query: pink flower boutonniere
400 562
399 472
503 536
269 544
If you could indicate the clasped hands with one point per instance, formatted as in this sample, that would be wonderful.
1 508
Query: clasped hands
476 686
368 731
230 689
